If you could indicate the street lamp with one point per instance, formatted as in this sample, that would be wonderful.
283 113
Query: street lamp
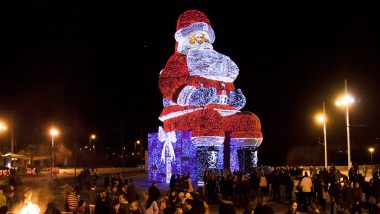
53 132
92 137
371 149
321 118
138 143
3 128
345 101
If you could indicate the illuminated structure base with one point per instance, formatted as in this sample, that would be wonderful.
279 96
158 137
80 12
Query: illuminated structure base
183 164
193 156
242 157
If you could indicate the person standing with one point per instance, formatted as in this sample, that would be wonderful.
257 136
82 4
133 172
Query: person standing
306 185
102 204
263 207
3 199
189 206
143 201
154 192
365 170
92 198
72 200
293 207
131 191
135 209
227 207
357 198
11 197
124 205
81 207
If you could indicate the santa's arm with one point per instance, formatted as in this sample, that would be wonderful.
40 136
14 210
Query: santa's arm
173 77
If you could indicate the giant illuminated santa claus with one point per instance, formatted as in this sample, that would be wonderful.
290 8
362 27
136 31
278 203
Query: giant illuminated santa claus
198 90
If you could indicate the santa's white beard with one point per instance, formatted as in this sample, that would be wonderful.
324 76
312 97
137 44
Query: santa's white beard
205 62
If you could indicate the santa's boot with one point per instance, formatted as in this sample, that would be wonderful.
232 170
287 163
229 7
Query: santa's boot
243 152
246 137
209 154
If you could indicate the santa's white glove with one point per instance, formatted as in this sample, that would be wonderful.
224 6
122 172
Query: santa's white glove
202 96
236 99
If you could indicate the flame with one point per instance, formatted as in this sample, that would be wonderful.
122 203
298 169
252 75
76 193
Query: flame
30 208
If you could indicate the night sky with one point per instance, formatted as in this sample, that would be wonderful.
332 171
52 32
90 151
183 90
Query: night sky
81 65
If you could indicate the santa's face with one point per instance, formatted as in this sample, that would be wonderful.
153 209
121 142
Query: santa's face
198 38
195 40
202 60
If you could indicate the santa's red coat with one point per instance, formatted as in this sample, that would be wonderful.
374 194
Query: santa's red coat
209 120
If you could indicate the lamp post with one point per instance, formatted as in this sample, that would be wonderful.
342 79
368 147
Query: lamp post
3 128
321 118
138 143
345 101
371 149
92 137
53 132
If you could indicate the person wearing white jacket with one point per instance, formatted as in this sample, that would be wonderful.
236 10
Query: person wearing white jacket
306 184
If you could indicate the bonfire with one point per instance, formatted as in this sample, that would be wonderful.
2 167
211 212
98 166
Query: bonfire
30 208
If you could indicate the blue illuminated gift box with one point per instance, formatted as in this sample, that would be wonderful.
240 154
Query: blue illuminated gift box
185 157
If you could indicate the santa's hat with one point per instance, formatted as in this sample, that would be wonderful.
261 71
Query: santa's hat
192 21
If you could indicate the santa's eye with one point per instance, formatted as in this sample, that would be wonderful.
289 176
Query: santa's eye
193 39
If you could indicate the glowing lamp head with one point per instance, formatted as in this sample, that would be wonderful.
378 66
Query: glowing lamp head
138 142
371 149
346 100
54 132
93 137
320 118
3 127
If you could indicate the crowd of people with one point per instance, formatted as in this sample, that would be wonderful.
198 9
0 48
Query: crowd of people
309 191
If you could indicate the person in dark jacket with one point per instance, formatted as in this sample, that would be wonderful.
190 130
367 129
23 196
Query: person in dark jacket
131 191
189 206
125 207
92 198
102 204
154 192
3 210
227 207
357 198
263 207
52 209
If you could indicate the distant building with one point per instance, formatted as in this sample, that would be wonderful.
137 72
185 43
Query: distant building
10 160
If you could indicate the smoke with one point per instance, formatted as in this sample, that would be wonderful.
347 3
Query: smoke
63 155
61 152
